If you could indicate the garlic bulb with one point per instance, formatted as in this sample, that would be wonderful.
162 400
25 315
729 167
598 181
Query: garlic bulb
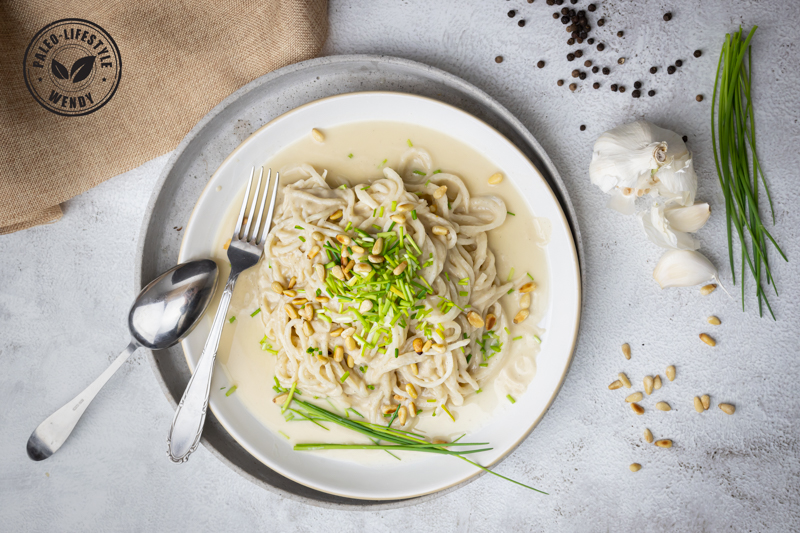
659 230
640 158
689 218
684 268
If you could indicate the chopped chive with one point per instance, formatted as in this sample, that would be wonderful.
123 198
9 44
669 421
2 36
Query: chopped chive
374 212
221 388
302 239
380 213
484 364
419 173
344 377
350 156
230 391
254 313
478 391
432 401
511 398
463 293
517 338
409 142
301 228
446 410
510 291
342 186
463 281
510 274
396 352
510 213
232 319
436 171
414 214
537 339
284 434
383 163
377 227
506 329
529 275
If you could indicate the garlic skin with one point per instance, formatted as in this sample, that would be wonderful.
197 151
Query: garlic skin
659 230
684 268
637 158
689 218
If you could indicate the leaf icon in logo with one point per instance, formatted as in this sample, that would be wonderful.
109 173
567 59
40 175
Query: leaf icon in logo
81 69
59 70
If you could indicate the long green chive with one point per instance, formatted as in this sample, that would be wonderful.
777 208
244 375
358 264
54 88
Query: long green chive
511 398
289 398
344 377
254 313
731 135
231 390
232 319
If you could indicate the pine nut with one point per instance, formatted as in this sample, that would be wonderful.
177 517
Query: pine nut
350 361
388 409
525 301
475 319
320 269
376 259
615 385
336 215
657 382
357 249
322 299
706 400
638 409
635 397
432 208
626 350
399 269
664 443
308 329
309 309
350 344
362 268
398 398
495 178
411 390
317 135
439 441
343 239
414 369
439 230
365 307
708 340
698 405
671 373
317 236
635 467
491 320
338 354
404 207
418 345
624 379
427 346
337 332
402 415
348 332
648 435
277 287
292 282
528 287
521 316
377 248
349 267
291 311
280 398
705 290
322 359
412 410
727 408
714 321
399 219
290 293
648 385
663 406
438 193
441 348
299 301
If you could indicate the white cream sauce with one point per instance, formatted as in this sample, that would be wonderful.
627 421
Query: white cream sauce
518 243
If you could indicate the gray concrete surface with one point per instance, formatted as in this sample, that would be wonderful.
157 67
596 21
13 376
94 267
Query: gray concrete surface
66 287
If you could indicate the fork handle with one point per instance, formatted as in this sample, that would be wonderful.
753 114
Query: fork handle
187 426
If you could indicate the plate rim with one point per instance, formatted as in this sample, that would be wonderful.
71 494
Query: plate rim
574 257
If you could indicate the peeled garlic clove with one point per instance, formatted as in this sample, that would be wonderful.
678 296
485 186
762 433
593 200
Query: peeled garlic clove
689 218
684 268
658 229
677 180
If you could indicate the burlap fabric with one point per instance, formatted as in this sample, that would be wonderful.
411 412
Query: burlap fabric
177 60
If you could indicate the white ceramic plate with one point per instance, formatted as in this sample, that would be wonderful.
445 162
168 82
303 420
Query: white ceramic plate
508 427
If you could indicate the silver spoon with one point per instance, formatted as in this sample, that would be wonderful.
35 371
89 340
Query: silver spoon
165 312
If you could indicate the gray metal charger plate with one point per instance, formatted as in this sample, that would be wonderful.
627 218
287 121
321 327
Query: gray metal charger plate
227 126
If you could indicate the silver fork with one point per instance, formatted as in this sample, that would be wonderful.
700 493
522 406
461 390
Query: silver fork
243 253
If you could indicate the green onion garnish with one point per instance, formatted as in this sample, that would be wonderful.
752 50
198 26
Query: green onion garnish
350 156
510 274
344 377
419 173
510 213
463 293
537 339
436 171
510 398
383 163
301 228
232 319
348 226
510 291
284 434
254 313
529 275
409 142
230 391
302 239
380 213
517 338
414 214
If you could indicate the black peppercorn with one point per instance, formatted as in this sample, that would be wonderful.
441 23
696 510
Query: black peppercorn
551 2
565 20
596 85
699 97
583 35
601 22
606 71
540 64
667 17
601 47
498 59
570 57
636 93
592 7
555 15
565 11
578 53
697 53
575 34
622 88
521 23
530 1
591 40
573 19
583 77
570 41
685 138
576 73
671 69
579 40
560 83
679 63
583 127
620 33
595 70
574 1
637 85
511 14
587 63
614 87
653 70
559 2
651 92
582 14
573 86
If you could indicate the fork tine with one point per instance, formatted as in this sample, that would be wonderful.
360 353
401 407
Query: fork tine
268 222
261 208
238 228
246 234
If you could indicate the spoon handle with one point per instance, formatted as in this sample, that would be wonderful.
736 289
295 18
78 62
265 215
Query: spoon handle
54 431
187 426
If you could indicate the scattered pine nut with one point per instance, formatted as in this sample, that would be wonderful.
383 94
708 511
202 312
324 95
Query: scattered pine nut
427 345
714 321
320 270
402 415
417 345
338 354
388 409
657 382
615 385
350 344
663 406
705 290
638 409
708 340
357 249
439 230
635 397
521 316
648 385
292 282
626 350
411 390
727 408
277 287
337 332
290 293
439 441
365 306
414 369
412 410
475 319
404 207
317 135
625 380
438 193
322 299
348 332
648 435
350 361
336 215
291 311
528 287
362 268
671 373
698 405
664 443
317 236
525 301
706 400
441 348
491 320
343 239
377 248
308 329
280 398
495 179
635 467
299 301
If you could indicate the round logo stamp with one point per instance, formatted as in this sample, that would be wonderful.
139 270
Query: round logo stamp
72 67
